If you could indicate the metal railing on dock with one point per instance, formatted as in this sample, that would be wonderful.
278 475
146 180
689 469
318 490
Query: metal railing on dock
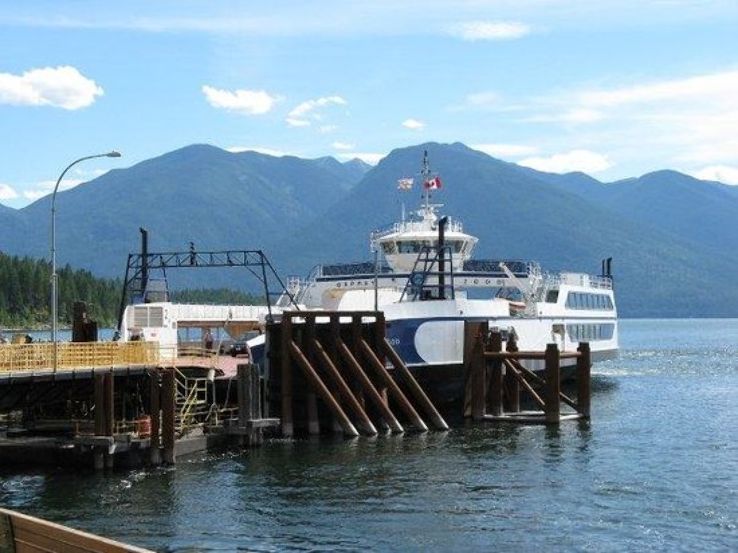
76 355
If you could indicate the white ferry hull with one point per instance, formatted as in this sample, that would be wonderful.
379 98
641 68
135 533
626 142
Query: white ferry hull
432 333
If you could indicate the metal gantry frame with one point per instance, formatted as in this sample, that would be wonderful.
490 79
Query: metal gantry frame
255 261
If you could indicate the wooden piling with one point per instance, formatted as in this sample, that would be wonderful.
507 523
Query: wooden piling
496 375
155 414
380 335
371 391
584 367
168 407
109 403
345 392
394 390
514 370
98 455
470 337
311 399
249 403
478 370
285 331
512 384
318 385
99 404
553 376
417 392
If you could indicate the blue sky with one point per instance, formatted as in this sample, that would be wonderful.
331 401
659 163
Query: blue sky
613 88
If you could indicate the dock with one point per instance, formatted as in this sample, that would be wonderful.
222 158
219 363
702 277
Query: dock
127 404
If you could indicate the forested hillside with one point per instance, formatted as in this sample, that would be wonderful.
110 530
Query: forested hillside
25 292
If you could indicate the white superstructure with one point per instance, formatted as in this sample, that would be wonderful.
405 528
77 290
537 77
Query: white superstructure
428 290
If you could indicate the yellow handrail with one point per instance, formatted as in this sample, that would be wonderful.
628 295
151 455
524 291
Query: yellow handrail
76 355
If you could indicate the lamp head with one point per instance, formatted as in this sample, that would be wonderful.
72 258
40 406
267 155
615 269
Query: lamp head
113 154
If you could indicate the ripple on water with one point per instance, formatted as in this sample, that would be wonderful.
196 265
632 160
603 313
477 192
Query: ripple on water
655 470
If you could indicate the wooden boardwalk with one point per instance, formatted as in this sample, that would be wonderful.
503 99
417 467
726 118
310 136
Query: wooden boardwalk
21 533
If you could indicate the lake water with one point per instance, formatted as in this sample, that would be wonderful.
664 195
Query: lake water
655 470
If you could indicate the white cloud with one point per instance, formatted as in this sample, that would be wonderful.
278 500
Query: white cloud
367 157
720 173
258 149
325 129
573 116
7 192
413 124
489 30
343 146
505 150
301 115
689 121
575 160
483 99
62 87
248 102
46 187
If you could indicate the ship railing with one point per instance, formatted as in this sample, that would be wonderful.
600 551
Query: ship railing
452 225
76 355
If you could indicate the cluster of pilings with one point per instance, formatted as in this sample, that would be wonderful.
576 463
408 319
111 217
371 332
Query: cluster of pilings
342 379
496 379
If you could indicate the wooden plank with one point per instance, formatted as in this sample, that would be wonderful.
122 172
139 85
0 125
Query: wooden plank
7 541
34 534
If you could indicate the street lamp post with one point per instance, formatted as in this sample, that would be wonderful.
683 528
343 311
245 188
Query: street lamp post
54 276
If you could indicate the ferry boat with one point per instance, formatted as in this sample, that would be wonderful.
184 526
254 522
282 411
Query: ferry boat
427 282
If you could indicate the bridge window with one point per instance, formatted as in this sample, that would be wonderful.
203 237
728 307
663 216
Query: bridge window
552 296
583 300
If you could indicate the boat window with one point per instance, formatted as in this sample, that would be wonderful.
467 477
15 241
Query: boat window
410 246
389 247
457 245
581 300
590 332
552 296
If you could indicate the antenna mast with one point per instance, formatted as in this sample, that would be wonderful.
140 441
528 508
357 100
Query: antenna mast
426 173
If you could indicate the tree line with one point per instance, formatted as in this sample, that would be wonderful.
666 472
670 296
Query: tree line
25 294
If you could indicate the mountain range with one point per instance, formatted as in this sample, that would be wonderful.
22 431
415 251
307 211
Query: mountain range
673 237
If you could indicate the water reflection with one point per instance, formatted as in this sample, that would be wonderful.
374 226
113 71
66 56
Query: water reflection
655 469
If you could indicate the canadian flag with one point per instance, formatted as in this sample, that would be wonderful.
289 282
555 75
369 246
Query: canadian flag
433 184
